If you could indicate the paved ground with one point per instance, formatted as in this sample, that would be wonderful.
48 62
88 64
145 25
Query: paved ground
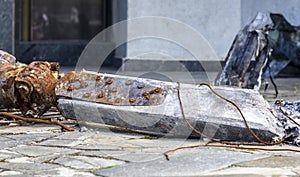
45 150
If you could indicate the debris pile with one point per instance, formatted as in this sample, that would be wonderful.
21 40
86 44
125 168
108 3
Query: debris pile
165 108
261 50
270 48
31 88
289 116
284 42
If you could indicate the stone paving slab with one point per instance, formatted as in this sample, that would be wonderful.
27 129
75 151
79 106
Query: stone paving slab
191 162
87 163
21 139
271 166
37 151
254 171
6 154
29 168
273 162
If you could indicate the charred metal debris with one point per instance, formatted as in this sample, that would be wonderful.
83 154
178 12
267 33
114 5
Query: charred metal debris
261 50
36 87
289 116
31 88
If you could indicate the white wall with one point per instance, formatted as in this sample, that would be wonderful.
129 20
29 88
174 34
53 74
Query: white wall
217 20
289 8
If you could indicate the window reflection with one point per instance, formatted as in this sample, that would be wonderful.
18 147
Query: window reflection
66 19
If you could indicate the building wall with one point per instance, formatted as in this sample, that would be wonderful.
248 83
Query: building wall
7 25
217 20
289 8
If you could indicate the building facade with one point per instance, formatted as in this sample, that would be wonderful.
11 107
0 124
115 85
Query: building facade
153 30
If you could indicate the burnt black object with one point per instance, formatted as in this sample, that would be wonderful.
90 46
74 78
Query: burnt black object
291 130
259 44
251 43
285 45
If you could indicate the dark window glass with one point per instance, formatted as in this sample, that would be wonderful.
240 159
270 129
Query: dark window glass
66 19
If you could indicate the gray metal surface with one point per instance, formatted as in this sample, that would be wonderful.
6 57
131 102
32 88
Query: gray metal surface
204 110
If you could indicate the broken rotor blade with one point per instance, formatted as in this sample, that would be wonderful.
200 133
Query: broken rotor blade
204 110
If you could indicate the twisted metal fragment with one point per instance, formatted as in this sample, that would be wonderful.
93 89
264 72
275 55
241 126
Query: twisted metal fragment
28 87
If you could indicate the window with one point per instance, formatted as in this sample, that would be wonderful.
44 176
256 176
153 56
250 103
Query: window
61 19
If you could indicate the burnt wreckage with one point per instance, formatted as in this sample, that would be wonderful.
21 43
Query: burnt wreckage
166 108
28 87
271 47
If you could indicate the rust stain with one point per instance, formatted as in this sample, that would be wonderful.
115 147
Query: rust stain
70 88
132 100
108 81
110 89
100 95
147 95
158 90
98 78
128 82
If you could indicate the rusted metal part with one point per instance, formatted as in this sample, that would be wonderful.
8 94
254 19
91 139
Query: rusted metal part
28 87
107 89
12 117
8 72
35 86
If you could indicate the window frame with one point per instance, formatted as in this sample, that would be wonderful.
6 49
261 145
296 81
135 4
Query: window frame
23 22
